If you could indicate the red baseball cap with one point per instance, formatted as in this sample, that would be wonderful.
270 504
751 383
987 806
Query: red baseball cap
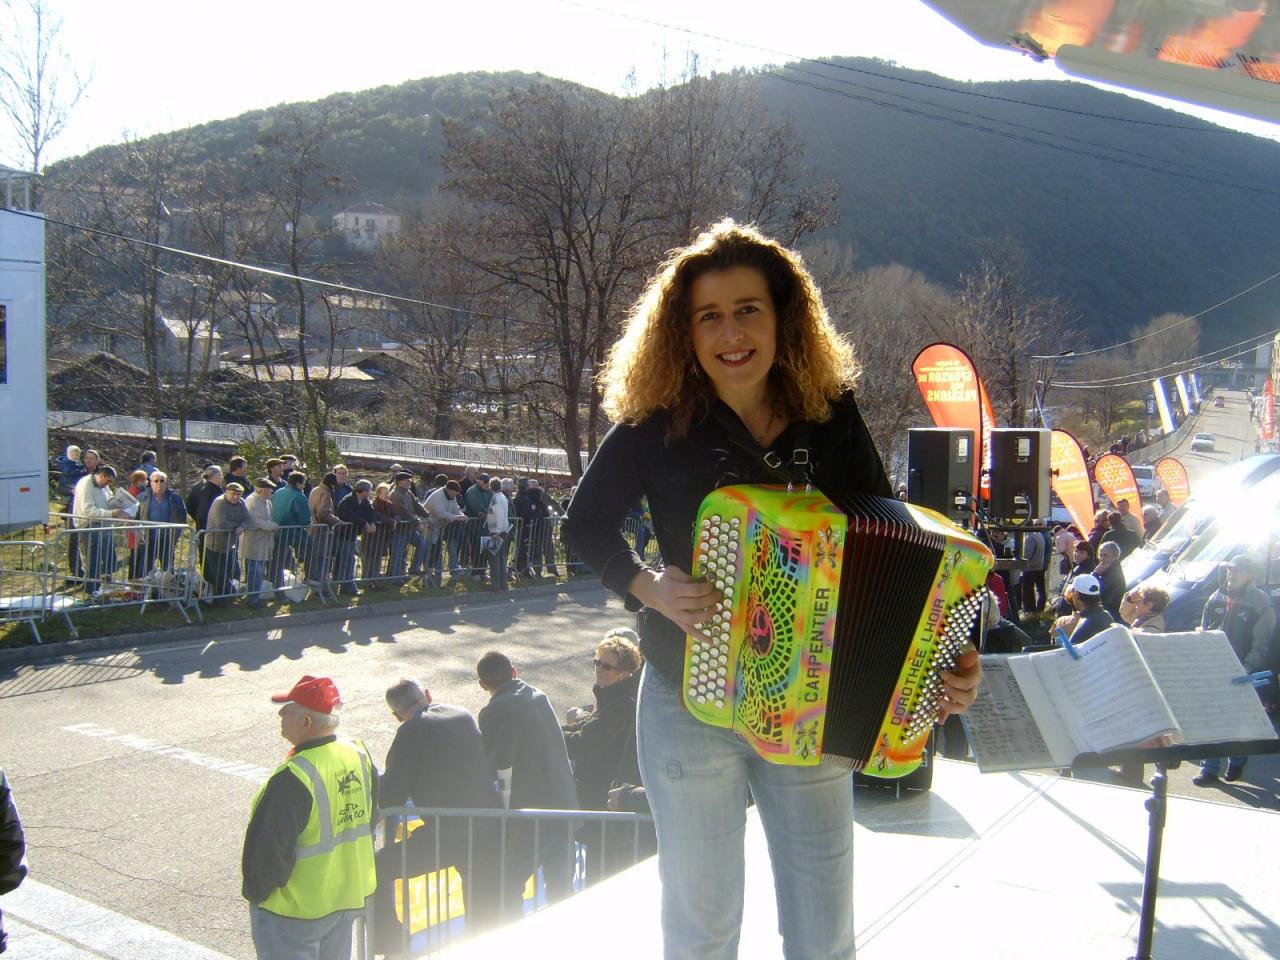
315 693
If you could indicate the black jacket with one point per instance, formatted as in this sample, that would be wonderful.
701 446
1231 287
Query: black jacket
521 733
200 499
351 510
600 744
1112 581
13 846
437 759
635 461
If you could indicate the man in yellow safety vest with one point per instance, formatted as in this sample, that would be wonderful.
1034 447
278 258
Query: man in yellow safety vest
308 852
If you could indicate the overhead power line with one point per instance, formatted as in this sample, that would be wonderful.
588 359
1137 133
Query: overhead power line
956 91
252 268
1197 316
1204 360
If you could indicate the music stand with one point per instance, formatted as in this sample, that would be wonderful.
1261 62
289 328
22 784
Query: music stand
1165 759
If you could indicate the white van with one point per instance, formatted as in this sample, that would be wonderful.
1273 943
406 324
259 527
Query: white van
1145 476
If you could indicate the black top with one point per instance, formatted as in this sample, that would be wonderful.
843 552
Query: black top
437 760
601 744
635 461
521 734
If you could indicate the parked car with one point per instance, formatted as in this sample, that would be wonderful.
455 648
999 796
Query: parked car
1202 441
1255 481
1219 402
1145 476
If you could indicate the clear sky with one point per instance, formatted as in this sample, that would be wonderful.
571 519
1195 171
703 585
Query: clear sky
158 65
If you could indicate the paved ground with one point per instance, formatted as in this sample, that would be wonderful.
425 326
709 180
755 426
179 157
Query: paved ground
134 771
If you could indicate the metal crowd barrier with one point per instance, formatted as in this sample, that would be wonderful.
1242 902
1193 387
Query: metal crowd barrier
464 871
299 562
24 583
118 563
60 569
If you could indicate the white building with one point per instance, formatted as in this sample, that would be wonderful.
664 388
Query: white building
367 225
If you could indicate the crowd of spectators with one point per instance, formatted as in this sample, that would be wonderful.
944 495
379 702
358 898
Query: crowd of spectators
261 538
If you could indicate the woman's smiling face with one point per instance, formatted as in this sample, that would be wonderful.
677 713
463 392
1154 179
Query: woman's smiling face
735 329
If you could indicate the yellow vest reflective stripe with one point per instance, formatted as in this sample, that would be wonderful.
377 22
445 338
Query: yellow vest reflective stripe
333 868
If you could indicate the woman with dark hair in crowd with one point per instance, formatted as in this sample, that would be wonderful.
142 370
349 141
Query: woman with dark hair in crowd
729 356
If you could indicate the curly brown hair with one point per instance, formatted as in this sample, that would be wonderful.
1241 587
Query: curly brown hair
624 644
653 367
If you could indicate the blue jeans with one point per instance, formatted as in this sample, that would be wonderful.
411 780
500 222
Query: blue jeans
286 938
1214 764
697 778
254 573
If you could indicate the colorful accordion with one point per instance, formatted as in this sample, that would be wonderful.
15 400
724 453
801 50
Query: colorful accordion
836 618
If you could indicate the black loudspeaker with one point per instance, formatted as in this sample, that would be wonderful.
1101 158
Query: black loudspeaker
1019 474
940 470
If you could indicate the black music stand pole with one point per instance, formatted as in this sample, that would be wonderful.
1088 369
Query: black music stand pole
1157 806
1165 759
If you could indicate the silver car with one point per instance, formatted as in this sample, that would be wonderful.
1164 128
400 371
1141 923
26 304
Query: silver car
1202 441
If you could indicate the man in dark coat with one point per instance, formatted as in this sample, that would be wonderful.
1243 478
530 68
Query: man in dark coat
356 509
437 759
13 847
1121 535
202 495
522 739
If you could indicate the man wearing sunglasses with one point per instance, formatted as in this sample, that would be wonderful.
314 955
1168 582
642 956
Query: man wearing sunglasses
159 504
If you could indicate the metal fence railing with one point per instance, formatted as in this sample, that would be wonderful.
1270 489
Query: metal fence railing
24 588
445 874
60 569
500 457
118 563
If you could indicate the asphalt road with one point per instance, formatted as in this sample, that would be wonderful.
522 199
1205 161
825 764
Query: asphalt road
135 771
118 817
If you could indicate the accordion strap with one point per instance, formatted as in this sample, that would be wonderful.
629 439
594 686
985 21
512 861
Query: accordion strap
765 465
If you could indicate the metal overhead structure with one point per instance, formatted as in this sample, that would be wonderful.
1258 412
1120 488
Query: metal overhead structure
1223 54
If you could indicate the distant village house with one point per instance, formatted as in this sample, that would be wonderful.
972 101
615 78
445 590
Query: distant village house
366 226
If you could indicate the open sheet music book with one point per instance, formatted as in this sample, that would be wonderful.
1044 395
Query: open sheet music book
1042 710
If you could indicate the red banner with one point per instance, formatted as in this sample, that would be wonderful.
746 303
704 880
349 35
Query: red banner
1173 475
1070 478
1116 480
1268 411
955 397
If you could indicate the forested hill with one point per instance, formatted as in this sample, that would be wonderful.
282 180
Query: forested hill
1124 218
1126 238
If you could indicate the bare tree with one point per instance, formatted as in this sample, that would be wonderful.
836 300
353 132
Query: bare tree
1003 324
576 195
291 174
1103 405
121 286
563 183
703 123
1164 342
38 89
880 310
440 333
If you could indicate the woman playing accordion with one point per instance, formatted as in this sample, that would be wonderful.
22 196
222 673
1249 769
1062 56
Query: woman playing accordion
729 371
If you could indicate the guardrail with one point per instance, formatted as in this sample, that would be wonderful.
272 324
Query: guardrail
462 871
58 569
516 459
